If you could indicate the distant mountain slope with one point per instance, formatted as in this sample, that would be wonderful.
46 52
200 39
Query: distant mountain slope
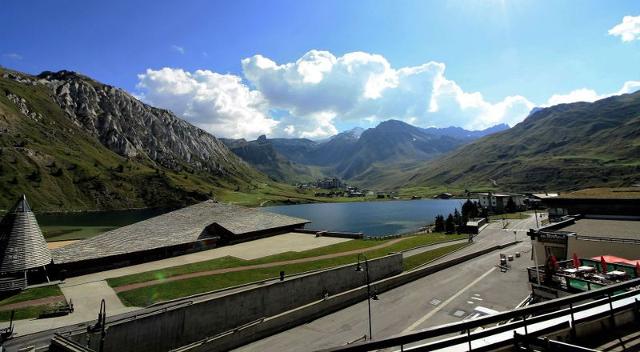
70 142
461 133
394 141
263 156
562 147
356 154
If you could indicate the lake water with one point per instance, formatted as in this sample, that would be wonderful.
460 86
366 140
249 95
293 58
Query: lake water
115 218
371 218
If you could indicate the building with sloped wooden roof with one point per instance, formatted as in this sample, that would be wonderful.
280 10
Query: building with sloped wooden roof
23 249
198 227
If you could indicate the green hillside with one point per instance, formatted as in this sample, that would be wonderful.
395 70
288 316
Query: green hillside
564 147
61 166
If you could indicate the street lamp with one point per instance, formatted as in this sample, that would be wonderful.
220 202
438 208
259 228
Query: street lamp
369 295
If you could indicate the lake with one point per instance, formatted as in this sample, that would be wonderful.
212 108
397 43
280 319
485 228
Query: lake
372 218
77 226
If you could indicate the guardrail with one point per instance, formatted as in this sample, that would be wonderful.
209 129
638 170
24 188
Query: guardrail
555 307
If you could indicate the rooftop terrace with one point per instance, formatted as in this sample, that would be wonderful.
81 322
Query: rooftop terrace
625 229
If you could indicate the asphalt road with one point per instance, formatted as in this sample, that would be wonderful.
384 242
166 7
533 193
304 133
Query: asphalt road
470 289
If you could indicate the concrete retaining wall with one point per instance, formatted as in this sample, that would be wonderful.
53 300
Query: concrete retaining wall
168 329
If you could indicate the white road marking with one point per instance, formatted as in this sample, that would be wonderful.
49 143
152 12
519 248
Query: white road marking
443 304
477 298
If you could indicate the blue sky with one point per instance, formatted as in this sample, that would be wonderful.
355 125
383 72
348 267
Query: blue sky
528 50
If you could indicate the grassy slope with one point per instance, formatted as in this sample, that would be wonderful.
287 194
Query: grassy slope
60 167
181 288
564 147
229 262
425 257
27 295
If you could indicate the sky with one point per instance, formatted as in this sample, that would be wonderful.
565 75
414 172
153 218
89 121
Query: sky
310 69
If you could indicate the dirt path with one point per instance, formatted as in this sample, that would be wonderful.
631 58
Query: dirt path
251 267
33 302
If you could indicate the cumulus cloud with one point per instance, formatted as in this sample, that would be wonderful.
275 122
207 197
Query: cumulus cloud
362 86
313 94
590 95
220 104
628 30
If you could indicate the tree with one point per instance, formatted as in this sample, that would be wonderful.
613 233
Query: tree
457 218
469 210
450 225
439 223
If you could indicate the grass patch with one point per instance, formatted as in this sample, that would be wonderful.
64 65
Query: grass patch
517 215
419 259
175 289
230 262
32 293
26 313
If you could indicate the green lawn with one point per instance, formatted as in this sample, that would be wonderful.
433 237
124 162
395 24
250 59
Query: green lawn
517 215
422 258
26 313
27 295
170 290
229 262
66 233
32 293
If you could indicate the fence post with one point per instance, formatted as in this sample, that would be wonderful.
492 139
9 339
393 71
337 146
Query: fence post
573 321
524 320
469 338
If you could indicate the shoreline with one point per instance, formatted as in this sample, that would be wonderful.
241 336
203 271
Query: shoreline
269 203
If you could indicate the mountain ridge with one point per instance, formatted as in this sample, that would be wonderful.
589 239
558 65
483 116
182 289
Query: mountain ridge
72 143
562 147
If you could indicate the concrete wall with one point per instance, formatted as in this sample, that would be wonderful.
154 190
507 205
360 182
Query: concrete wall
179 326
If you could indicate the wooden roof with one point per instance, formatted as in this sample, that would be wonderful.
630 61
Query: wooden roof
22 245
182 226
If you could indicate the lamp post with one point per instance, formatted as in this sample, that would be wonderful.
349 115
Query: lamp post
369 295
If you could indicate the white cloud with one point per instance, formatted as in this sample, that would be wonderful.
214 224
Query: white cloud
177 49
628 30
362 86
220 104
590 95
12 56
313 94
582 94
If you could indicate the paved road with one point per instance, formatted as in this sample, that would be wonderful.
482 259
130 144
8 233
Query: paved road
444 297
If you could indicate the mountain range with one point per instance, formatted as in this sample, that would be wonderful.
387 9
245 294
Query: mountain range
355 152
72 143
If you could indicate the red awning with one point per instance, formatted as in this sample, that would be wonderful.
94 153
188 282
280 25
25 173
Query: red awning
614 259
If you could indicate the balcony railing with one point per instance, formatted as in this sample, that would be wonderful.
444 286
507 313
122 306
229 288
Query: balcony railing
618 297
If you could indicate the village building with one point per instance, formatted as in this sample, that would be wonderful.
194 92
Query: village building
587 237
24 255
618 202
498 202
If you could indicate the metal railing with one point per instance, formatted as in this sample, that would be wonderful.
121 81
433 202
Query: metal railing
522 317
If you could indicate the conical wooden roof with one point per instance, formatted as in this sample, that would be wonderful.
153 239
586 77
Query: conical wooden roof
22 245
